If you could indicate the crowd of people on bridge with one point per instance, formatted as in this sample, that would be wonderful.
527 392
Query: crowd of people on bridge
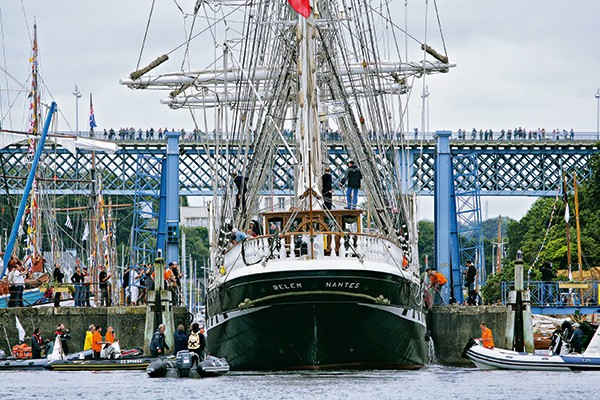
515 134
520 133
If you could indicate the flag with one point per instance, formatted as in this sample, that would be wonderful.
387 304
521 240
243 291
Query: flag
86 232
567 213
302 7
68 223
92 117
20 329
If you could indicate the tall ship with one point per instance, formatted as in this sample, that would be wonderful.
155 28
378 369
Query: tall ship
298 282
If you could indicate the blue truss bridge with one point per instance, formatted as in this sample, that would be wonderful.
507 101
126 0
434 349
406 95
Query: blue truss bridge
504 168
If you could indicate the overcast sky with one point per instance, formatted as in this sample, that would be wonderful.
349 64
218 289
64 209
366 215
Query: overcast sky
519 63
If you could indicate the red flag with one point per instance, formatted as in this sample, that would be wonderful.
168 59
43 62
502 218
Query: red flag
302 7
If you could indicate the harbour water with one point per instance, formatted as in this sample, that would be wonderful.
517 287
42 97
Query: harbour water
432 382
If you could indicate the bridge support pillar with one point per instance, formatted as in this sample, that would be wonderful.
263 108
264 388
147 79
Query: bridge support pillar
169 210
444 211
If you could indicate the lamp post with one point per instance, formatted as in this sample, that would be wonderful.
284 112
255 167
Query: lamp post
77 95
597 96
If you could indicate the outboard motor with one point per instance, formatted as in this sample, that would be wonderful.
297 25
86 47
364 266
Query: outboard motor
185 361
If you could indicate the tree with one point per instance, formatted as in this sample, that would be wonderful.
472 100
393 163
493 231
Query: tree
197 246
426 242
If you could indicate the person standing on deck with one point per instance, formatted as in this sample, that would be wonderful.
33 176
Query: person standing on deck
103 277
353 176
470 276
327 188
64 334
158 344
77 280
180 340
97 342
196 341
87 281
487 339
57 277
87 344
548 276
37 344
576 340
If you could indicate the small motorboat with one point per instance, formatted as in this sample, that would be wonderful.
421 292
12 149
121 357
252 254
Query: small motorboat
115 359
187 365
100 365
496 358
13 363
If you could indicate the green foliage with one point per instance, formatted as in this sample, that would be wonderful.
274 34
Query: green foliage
426 242
197 245
528 233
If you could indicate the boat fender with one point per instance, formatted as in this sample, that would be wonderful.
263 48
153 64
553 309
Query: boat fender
157 369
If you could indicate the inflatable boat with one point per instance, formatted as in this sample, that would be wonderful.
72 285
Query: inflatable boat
187 365
485 358
12 363
111 358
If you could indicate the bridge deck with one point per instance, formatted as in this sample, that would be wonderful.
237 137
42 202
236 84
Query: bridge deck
506 168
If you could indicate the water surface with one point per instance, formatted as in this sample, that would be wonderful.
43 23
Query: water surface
432 382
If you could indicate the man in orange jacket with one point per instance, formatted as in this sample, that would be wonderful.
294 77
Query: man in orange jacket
97 342
437 280
486 338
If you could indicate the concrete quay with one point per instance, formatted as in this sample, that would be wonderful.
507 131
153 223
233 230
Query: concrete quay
128 323
451 328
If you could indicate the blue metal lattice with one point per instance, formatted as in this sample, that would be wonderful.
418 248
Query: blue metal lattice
144 230
468 213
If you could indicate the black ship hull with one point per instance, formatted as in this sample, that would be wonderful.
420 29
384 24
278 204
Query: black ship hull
317 320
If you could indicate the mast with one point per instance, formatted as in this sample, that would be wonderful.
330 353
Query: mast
307 125
579 255
499 244
26 191
567 225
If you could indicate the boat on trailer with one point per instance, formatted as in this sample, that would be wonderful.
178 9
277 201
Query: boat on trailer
494 358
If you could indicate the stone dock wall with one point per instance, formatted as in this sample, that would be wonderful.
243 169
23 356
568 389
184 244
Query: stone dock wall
451 328
128 323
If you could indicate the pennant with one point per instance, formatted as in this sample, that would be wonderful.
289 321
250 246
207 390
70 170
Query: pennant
20 329
68 223
567 213
86 232
302 7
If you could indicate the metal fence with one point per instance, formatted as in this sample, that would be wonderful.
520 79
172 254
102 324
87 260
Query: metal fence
557 294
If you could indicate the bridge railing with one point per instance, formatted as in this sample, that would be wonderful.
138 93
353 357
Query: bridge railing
557 294
463 137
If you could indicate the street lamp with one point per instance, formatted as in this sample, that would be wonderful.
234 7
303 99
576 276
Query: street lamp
597 96
77 95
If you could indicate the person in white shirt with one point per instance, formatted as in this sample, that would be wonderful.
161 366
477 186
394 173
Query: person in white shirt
19 282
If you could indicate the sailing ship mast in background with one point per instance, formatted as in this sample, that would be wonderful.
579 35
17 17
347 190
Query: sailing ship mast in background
355 87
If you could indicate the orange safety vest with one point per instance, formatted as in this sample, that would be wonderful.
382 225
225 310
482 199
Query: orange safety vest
110 338
486 338
96 339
